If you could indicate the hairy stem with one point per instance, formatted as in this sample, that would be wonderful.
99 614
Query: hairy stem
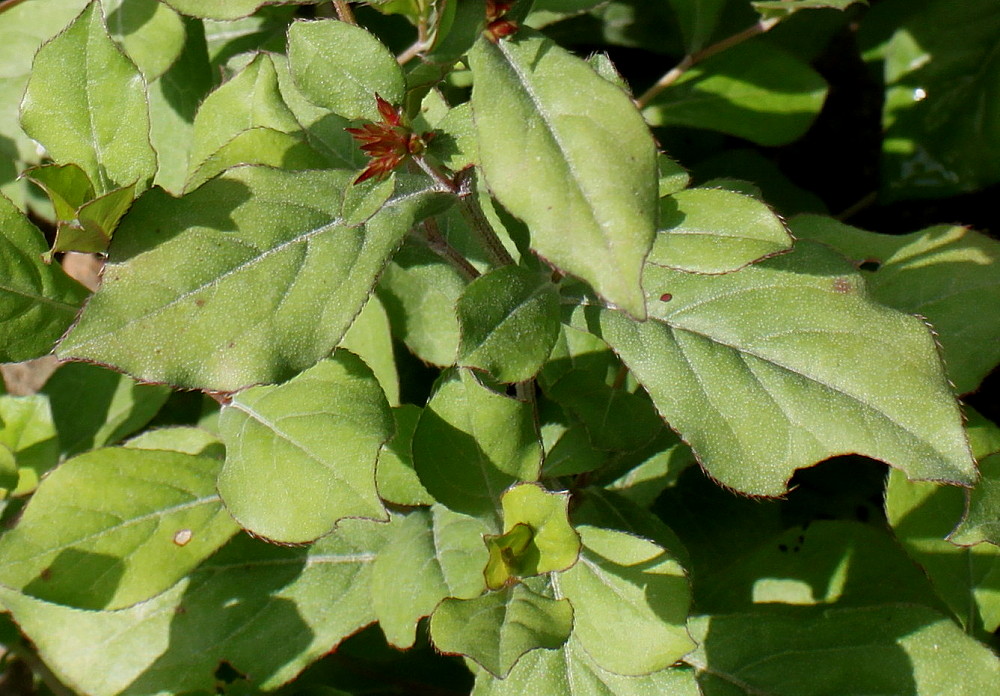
692 59
440 246
495 250
344 12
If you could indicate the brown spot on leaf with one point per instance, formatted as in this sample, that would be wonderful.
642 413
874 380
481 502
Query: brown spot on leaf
666 297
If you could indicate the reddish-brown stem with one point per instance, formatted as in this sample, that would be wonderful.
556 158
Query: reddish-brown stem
344 12
692 59
440 246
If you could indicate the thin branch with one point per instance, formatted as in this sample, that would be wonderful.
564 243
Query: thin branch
411 52
690 60
440 246
7 4
442 180
494 248
852 210
344 13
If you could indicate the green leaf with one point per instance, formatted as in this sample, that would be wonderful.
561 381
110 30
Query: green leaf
754 90
630 603
37 301
570 671
29 440
323 429
567 152
782 8
114 527
95 222
803 652
150 33
509 322
472 443
181 438
419 291
250 99
672 176
67 186
697 20
716 231
86 103
93 407
230 9
370 338
9 474
498 628
922 514
341 67
257 146
553 544
982 521
948 274
787 363
395 478
274 231
432 554
267 611
984 434
940 68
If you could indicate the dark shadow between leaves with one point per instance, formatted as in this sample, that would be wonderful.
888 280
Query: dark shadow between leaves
230 615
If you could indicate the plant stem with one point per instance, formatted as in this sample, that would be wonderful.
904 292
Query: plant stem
440 246
344 13
449 184
692 59
495 250
411 52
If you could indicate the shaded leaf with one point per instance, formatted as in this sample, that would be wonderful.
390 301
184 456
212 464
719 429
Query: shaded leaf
472 443
432 554
982 522
783 8
787 363
266 610
182 438
67 186
716 231
30 445
95 222
341 67
498 628
37 301
754 90
370 338
230 9
395 478
587 191
300 456
92 111
149 32
274 231
570 671
630 602
949 275
806 652
509 321
114 527
93 407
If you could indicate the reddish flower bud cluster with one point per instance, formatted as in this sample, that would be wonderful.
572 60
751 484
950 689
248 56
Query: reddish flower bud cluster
497 26
388 143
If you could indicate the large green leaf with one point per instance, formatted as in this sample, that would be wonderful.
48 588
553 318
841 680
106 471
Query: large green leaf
716 231
566 151
149 31
37 301
630 603
922 514
509 322
570 671
93 406
250 99
892 649
29 440
301 455
342 67
267 611
86 103
498 628
114 527
432 554
787 363
947 274
395 478
370 338
174 305
754 90
472 443
940 67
